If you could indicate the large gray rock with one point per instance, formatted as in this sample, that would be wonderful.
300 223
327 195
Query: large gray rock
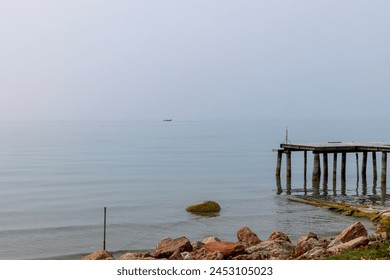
273 249
315 253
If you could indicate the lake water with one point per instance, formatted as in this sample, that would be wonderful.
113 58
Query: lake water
56 178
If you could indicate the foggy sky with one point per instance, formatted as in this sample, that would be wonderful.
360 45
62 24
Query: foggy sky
189 60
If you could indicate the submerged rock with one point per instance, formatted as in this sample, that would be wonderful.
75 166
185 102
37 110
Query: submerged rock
204 207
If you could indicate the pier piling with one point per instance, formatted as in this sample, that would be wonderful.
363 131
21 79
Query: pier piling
288 165
334 168
316 169
374 168
105 225
305 166
279 163
384 167
325 161
364 165
343 164
357 167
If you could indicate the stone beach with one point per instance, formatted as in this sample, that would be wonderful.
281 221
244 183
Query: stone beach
249 246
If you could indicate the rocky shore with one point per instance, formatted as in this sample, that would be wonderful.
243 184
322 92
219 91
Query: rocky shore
278 246
249 246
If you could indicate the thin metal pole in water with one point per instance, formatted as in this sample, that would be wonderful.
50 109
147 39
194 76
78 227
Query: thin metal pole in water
105 219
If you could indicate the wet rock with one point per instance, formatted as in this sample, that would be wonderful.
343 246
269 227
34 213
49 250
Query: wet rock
247 237
99 255
278 235
204 207
227 249
166 247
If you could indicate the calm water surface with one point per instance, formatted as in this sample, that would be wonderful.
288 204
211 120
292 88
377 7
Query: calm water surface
56 177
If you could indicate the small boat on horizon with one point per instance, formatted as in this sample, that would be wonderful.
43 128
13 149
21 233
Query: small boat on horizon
167 120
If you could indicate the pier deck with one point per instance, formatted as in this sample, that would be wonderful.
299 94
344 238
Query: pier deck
330 147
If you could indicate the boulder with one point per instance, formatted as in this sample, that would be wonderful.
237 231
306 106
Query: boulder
186 255
166 247
99 255
176 256
136 256
307 245
203 254
197 245
247 237
227 249
209 239
278 235
350 233
273 249
315 253
204 207
352 244
307 237
253 256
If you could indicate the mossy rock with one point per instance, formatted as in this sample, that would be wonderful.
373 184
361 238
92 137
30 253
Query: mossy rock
204 207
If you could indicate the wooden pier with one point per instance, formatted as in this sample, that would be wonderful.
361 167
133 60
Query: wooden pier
335 148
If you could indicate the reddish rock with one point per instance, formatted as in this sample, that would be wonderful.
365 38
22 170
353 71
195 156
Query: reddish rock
350 233
227 249
166 247
278 235
176 256
306 245
352 244
203 254
253 256
99 255
307 237
246 236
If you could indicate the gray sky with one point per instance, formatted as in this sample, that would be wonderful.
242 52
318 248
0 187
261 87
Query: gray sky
200 59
